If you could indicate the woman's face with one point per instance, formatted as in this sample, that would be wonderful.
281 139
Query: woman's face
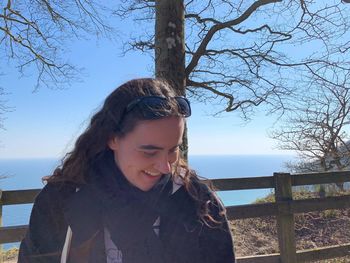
149 150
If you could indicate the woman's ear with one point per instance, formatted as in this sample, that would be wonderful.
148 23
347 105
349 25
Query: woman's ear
113 143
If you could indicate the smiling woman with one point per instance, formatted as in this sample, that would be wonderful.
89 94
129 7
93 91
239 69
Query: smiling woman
124 194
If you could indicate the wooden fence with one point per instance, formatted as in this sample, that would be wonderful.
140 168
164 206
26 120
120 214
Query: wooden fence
283 208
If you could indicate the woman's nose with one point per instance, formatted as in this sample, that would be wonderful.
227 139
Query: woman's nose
163 165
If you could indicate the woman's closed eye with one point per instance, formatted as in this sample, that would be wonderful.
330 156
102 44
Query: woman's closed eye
149 153
153 152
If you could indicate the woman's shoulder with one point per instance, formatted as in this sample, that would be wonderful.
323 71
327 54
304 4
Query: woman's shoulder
54 192
60 187
206 196
202 186
193 191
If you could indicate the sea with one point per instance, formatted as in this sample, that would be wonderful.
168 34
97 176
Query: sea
17 174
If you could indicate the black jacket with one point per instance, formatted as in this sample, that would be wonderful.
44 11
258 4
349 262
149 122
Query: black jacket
182 238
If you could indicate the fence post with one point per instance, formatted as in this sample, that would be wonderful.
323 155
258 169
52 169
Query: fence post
285 218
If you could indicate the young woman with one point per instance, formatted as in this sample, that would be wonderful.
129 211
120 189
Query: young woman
125 195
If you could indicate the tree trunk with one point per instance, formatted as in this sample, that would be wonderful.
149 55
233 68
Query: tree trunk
170 48
169 43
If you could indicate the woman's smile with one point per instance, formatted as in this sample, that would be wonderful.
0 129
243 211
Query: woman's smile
153 174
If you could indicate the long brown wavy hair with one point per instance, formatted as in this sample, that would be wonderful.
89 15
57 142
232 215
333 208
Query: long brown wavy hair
111 121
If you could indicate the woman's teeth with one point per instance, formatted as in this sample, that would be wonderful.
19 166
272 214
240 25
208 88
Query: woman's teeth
152 174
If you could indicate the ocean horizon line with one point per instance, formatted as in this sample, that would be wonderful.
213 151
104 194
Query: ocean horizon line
190 155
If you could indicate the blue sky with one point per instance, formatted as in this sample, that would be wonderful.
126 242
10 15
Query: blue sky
46 123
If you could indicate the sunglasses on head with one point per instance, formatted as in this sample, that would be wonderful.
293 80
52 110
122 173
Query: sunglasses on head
153 107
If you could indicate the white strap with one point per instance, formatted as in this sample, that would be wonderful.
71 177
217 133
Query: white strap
66 247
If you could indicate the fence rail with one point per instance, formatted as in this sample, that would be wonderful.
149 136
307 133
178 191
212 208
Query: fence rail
283 209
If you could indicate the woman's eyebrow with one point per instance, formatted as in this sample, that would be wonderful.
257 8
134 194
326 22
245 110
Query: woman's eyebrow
150 147
153 147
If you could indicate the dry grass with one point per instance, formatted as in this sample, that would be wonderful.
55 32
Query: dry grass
10 255
315 229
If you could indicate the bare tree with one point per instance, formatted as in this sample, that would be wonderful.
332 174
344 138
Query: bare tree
318 126
35 33
243 54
